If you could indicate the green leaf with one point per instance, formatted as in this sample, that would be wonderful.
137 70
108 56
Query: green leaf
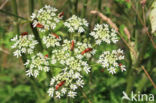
58 27
42 76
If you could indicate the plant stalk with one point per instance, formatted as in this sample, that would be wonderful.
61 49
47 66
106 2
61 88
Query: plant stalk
15 12
41 3
99 8
34 30
84 8
75 7
12 14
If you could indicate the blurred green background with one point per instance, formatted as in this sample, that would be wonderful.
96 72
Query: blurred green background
100 86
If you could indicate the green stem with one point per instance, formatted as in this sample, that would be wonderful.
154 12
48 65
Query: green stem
15 12
37 37
99 4
144 80
129 68
75 6
137 60
130 79
84 8
99 8
70 6
136 34
41 3
143 49
35 32
142 83
11 14
136 63
31 6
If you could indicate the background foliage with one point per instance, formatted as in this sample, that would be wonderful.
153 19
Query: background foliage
100 87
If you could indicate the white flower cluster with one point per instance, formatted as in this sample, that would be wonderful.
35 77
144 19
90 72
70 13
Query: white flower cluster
36 64
51 40
71 56
103 33
76 24
110 60
24 44
65 83
46 18
67 57
80 49
70 78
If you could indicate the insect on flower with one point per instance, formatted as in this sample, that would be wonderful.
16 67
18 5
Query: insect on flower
39 25
46 56
72 45
24 33
86 50
61 14
59 85
102 70
120 64
55 35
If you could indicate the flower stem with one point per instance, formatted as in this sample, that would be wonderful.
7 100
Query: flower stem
99 8
70 6
99 4
84 8
35 32
14 15
41 3
15 12
31 6
75 6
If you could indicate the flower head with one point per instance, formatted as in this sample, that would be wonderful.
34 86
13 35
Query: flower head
79 49
110 60
76 24
70 77
64 81
103 33
24 44
46 18
35 64
72 94
70 55
51 40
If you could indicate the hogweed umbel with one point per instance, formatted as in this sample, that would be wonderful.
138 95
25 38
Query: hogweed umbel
70 55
